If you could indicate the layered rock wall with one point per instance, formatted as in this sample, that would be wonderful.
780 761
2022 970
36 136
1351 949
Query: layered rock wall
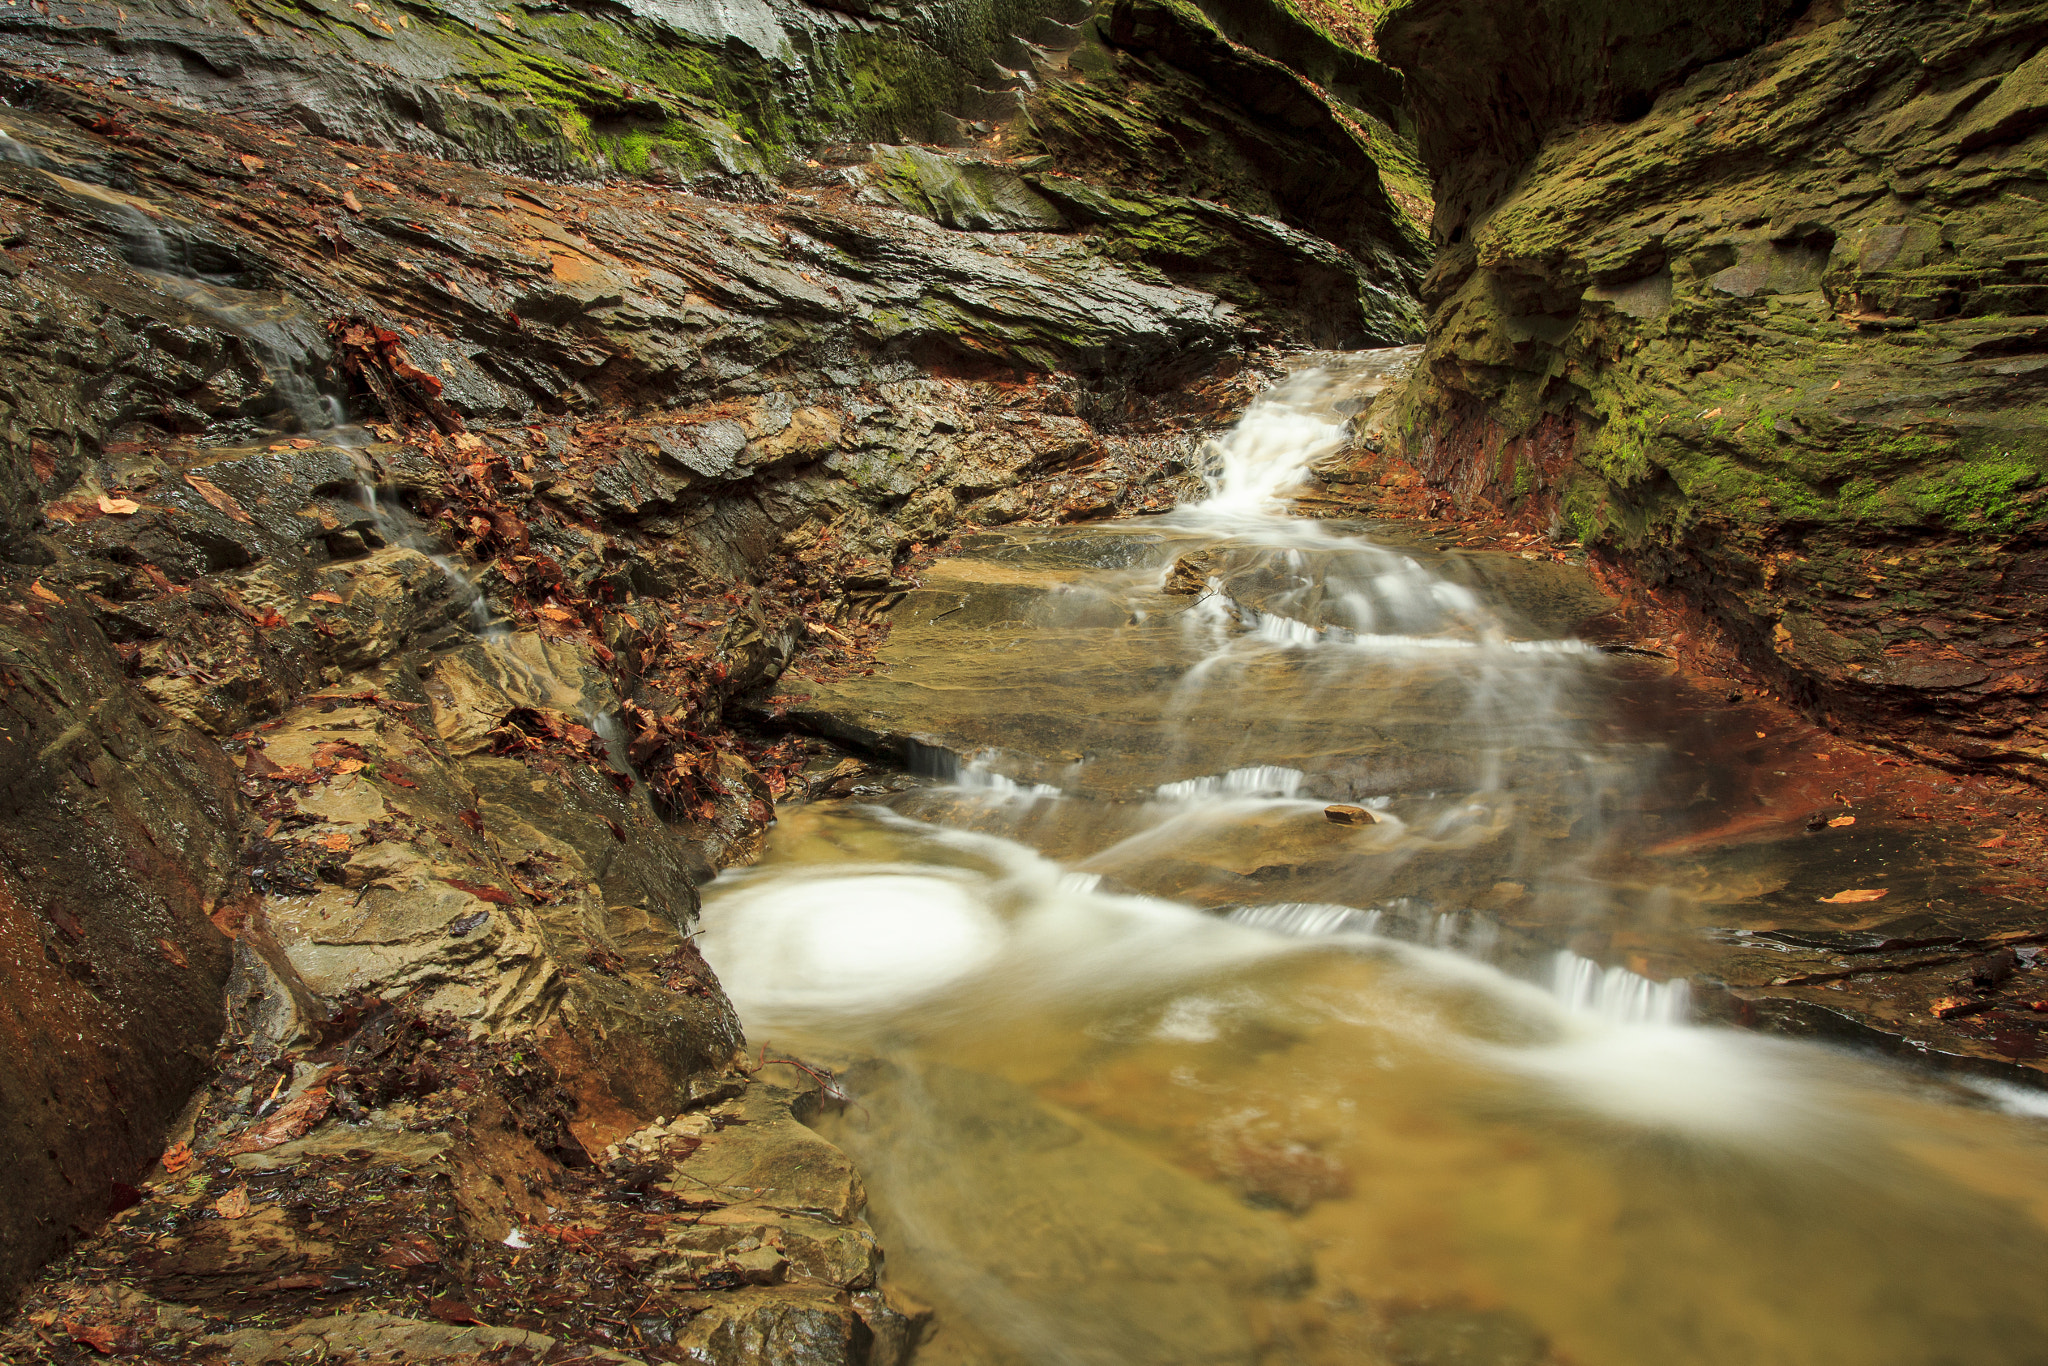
1748 298
421 430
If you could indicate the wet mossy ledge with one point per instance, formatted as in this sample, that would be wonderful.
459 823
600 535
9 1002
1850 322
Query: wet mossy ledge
1753 301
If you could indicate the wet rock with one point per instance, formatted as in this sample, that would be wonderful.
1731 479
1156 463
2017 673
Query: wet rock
1342 814
1837 461
118 826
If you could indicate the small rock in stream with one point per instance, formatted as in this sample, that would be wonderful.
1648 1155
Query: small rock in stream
1342 814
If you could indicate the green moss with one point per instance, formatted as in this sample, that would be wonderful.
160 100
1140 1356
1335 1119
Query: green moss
2000 494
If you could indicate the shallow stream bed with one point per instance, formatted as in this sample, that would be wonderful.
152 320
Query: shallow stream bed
1146 1058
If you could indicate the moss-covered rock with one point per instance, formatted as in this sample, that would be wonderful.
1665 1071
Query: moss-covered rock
1756 306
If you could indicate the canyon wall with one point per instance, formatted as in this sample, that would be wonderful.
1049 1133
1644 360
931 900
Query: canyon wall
1749 298
422 431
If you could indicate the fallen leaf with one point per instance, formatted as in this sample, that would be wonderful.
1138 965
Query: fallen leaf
1995 842
299 443
324 596
177 1158
349 766
505 19
453 1311
413 1252
494 895
293 1121
348 198
99 1337
219 497
45 594
233 1205
1840 821
1761 736
251 164
336 843
119 507
1850 898
173 952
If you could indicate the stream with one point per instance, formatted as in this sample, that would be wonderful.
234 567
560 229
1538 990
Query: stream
1146 1059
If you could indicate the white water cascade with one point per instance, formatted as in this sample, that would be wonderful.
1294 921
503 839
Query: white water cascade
1153 1061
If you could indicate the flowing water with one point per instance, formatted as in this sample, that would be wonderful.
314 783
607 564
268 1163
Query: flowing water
1150 1061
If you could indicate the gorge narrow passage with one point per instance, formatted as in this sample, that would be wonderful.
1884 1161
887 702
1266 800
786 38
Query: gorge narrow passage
1145 1057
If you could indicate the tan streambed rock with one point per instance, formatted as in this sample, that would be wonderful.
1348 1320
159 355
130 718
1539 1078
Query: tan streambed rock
1703 821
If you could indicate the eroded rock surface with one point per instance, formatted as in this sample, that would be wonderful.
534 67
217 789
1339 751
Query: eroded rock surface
1747 298
392 527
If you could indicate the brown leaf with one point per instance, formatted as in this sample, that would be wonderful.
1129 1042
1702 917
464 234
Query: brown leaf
233 1205
172 952
324 596
348 197
102 1338
251 164
119 507
257 764
293 1121
1841 821
299 443
229 915
410 1253
1850 898
1995 842
472 818
348 766
45 594
493 895
452 1311
219 497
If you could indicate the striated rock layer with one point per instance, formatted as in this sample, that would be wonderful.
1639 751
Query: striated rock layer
1749 298
419 430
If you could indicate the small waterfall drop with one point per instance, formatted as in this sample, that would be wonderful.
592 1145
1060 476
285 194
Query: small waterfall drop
1271 447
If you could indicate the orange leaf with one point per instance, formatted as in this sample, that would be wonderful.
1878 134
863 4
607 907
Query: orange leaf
1995 842
287 1124
336 843
45 594
324 596
173 952
100 1337
348 766
1850 898
178 1157
348 197
1840 821
219 497
251 164
119 507
233 1205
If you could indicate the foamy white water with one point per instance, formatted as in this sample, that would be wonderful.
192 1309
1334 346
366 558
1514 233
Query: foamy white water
1271 448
